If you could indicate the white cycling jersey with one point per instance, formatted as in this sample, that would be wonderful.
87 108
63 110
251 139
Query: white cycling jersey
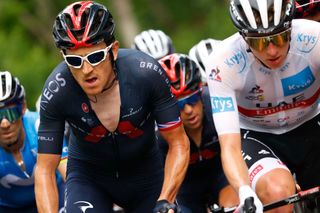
246 94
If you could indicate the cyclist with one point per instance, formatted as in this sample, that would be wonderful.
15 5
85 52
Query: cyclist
308 9
111 99
205 180
264 80
199 53
153 42
18 149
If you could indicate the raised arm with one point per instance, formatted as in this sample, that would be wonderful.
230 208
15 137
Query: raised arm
176 163
45 183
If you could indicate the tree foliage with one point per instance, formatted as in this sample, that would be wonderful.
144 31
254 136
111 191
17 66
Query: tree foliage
29 53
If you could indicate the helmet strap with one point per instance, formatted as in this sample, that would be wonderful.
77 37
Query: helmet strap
113 64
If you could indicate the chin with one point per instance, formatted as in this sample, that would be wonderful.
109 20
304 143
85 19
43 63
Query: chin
276 66
195 125
94 91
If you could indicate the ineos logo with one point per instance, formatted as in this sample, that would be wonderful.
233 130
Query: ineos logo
54 86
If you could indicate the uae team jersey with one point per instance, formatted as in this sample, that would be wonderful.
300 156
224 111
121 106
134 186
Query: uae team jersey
246 94
145 98
16 186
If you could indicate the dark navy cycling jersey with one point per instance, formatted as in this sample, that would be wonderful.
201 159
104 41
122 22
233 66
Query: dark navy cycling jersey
204 178
200 157
145 98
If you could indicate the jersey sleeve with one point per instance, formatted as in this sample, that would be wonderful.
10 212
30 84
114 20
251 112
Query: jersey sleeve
221 84
306 35
52 122
165 106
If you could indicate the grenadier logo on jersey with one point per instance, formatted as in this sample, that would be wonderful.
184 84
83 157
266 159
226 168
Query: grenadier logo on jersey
237 61
214 75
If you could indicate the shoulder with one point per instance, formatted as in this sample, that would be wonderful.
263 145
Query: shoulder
305 35
229 54
58 85
58 78
30 117
138 65
305 24
136 61
60 70
31 123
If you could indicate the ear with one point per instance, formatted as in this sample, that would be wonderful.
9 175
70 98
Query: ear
115 48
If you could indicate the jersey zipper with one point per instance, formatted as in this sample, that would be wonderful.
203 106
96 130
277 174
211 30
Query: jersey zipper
200 155
22 166
116 153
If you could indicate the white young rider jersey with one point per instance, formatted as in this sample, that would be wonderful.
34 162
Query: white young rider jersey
246 94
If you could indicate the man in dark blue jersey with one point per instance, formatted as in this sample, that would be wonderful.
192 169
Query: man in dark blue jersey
205 182
111 99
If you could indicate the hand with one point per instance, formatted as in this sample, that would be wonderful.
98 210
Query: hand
163 206
246 192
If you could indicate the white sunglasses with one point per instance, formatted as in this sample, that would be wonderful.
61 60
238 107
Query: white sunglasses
93 58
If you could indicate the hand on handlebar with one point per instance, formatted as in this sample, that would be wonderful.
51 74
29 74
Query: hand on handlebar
163 206
247 198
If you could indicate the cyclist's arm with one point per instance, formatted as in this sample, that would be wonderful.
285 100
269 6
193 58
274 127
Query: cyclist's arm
233 164
46 184
176 163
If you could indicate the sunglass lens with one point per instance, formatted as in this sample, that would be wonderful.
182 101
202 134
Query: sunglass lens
74 61
192 100
181 104
260 44
11 114
281 39
96 57
257 43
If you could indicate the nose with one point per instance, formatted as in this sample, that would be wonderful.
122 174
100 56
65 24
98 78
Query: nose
187 109
272 49
86 67
4 123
